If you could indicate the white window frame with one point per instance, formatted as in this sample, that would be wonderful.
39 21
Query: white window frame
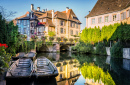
106 18
62 31
93 20
114 17
100 20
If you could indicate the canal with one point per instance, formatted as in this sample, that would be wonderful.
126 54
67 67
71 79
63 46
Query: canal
69 65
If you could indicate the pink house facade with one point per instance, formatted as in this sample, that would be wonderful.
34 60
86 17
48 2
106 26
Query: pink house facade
107 12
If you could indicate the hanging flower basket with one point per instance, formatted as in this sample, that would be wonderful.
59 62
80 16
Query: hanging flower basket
34 38
71 62
40 23
64 63
58 64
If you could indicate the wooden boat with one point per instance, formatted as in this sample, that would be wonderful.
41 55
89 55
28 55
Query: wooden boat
30 55
22 68
20 55
44 68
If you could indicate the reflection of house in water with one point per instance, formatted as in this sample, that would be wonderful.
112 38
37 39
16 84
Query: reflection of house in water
126 64
92 82
68 71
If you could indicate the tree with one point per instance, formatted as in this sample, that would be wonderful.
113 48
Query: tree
51 33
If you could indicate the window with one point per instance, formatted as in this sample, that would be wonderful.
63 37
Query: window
128 13
71 32
76 25
18 21
44 20
73 25
100 20
32 31
25 31
114 17
106 18
61 30
32 15
76 32
24 22
61 69
93 21
60 76
19 29
123 15
61 23
39 30
32 25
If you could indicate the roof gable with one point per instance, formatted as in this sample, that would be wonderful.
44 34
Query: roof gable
108 6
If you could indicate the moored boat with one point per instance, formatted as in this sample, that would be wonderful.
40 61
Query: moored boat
44 68
22 68
30 55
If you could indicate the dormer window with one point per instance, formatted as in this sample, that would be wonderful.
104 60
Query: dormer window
62 23
32 15
18 21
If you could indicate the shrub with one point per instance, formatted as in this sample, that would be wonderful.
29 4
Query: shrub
65 39
51 34
58 39
71 40
101 49
116 50
43 38
51 38
76 39
71 62
58 64
83 48
64 63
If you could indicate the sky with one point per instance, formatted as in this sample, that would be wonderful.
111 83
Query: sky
80 7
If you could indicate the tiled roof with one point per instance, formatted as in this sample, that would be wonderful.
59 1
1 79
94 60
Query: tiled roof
49 23
108 6
60 15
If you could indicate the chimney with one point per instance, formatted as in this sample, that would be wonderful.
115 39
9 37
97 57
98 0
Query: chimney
38 8
32 7
43 10
67 8
52 15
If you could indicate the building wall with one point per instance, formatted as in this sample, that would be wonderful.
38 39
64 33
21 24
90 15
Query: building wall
66 28
110 19
66 70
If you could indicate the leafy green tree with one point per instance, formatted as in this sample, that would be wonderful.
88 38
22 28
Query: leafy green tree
51 33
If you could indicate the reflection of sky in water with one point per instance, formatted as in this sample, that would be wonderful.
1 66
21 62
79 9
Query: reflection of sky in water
80 81
120 68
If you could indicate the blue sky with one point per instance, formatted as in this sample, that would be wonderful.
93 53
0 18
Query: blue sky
80 7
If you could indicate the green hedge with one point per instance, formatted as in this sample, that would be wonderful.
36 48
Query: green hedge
117 50
83 48
100 49
111 32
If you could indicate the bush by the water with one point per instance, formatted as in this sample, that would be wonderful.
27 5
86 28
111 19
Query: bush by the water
117 50
92 71
100 49
83 48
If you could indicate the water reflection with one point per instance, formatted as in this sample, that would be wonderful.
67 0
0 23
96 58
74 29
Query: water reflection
68 65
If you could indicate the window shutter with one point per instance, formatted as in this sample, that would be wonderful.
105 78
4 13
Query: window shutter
109 18
102 19
118 17
129 12
124 15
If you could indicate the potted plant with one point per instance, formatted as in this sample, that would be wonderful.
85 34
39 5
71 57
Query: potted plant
71 40
65 39
58 39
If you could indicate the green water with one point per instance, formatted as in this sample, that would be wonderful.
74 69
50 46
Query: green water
119 69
